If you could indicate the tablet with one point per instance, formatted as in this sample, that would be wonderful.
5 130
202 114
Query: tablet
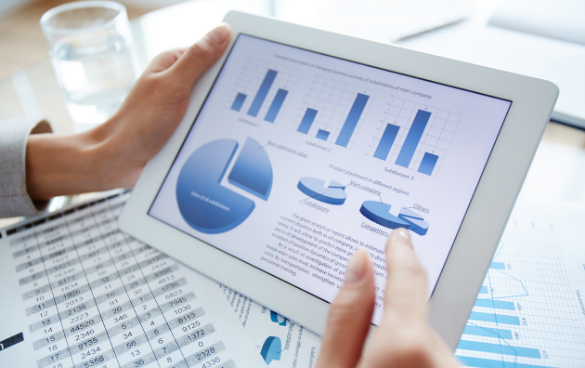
301 146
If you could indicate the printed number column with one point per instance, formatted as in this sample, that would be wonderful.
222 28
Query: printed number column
131 312
45 327
85 328
162 341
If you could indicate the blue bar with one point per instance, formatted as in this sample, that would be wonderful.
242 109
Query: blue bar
386 142
428 163
488 363
262 92
499 349
496 318
239 101
413 138
307 121
352 119
499 304
488 332
276 105
498 266
323 134
484 289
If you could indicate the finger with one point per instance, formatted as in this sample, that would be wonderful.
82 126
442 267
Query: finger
349 318
164 60
201 55
406 289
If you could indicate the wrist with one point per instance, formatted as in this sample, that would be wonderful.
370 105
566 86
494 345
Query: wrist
62 164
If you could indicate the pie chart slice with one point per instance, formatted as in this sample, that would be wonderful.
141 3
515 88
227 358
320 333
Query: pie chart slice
204 204
380 214
252 171
277 318
405 212
417 223
315 188
271 349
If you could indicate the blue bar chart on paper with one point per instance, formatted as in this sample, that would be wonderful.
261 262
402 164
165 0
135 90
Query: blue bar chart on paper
414 136
520 318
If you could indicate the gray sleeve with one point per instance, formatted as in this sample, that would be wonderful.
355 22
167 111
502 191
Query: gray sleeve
14 199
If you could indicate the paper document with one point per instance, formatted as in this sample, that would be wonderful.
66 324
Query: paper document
378 20
531 308
562 19
76 292
280 342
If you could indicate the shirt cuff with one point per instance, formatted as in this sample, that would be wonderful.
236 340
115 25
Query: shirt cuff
14 199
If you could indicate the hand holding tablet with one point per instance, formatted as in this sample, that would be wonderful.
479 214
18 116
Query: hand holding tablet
301 147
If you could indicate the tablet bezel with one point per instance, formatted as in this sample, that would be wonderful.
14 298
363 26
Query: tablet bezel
482 226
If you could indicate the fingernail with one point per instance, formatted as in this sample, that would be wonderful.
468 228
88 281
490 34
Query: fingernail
403 233
356 269
219 33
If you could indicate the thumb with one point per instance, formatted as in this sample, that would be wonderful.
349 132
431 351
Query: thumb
349 318
200 56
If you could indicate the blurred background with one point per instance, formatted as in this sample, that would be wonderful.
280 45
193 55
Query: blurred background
540 38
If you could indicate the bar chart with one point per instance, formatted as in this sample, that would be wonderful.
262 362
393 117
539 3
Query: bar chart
262 89
414 136
333 111
511 324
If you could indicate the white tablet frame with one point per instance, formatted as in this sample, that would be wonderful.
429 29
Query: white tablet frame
483 224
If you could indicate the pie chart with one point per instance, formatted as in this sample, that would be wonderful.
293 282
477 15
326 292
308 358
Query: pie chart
204 203
379 213
315 188
271 349
277 318
417 223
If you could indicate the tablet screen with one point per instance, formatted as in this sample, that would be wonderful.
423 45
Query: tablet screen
297 159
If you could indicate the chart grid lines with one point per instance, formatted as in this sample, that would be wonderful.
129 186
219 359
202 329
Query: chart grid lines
435 138
341 110
536 283
244 96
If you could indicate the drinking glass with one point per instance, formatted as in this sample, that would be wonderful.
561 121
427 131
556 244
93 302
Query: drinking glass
91 52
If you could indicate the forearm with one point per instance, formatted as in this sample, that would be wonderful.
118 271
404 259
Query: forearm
69 164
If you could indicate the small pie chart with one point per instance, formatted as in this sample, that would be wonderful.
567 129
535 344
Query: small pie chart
277 318
315 188
271 349
379 213
204 203
417 223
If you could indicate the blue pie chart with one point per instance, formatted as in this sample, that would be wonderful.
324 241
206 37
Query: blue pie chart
417 223
271 349
277 318
379 213
204 203
315 188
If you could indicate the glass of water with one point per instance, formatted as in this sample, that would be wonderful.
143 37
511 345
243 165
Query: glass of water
91 51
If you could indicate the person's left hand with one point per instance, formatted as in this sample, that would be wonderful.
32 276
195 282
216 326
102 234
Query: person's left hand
114 154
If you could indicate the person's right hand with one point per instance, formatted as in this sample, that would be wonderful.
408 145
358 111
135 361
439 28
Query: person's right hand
113 154
404 338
